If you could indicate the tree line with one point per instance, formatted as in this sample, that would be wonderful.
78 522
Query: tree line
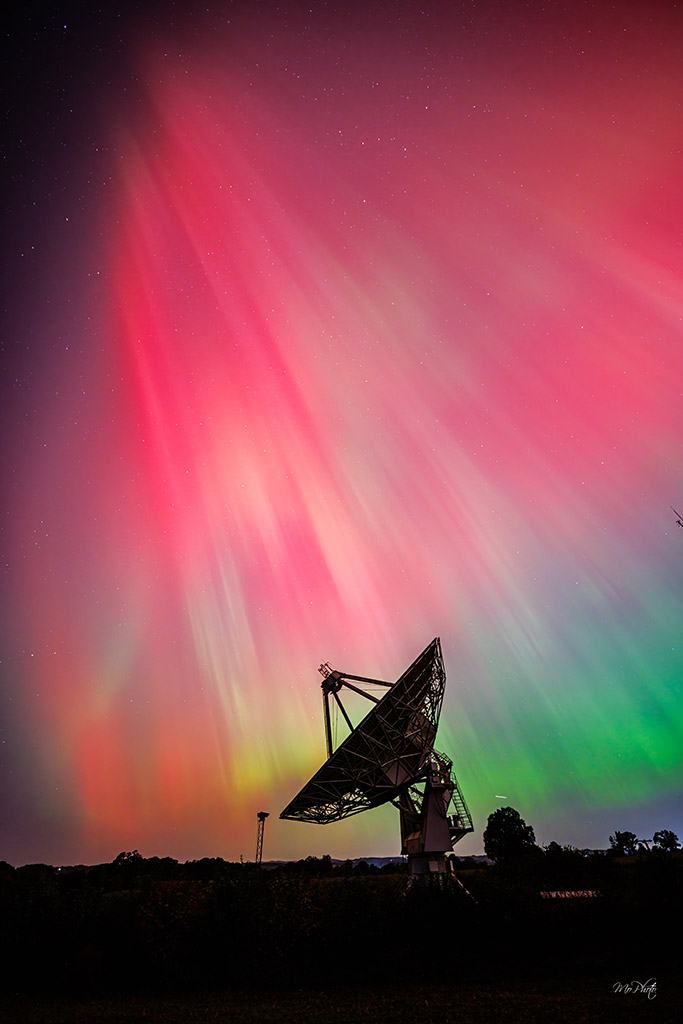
150 923
507 836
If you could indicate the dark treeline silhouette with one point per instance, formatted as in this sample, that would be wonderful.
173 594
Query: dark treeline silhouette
151 924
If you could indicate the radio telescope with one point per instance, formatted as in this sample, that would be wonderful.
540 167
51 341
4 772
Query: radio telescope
389 757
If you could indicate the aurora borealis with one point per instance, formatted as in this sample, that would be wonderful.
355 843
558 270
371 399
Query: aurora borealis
331 330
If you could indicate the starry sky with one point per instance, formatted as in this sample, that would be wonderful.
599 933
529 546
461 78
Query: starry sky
329 329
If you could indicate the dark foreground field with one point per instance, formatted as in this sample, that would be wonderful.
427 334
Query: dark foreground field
518 1002
155 941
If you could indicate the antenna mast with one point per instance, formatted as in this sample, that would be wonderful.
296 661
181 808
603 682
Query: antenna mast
261 816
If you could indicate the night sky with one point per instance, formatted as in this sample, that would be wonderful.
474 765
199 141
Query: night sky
329 329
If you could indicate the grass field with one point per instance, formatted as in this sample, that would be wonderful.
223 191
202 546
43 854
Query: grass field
295 947
555 1001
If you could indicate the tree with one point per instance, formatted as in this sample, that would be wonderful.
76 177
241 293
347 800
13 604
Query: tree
623 843
553 848
126 857
507 836
666 840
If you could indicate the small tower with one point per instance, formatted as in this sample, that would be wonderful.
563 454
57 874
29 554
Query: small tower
261 816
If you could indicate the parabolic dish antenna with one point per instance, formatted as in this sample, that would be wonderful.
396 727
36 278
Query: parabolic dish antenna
390 757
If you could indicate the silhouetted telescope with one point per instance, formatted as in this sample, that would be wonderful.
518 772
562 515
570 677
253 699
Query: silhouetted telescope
390 758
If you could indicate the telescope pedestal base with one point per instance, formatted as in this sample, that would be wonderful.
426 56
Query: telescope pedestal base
429 864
